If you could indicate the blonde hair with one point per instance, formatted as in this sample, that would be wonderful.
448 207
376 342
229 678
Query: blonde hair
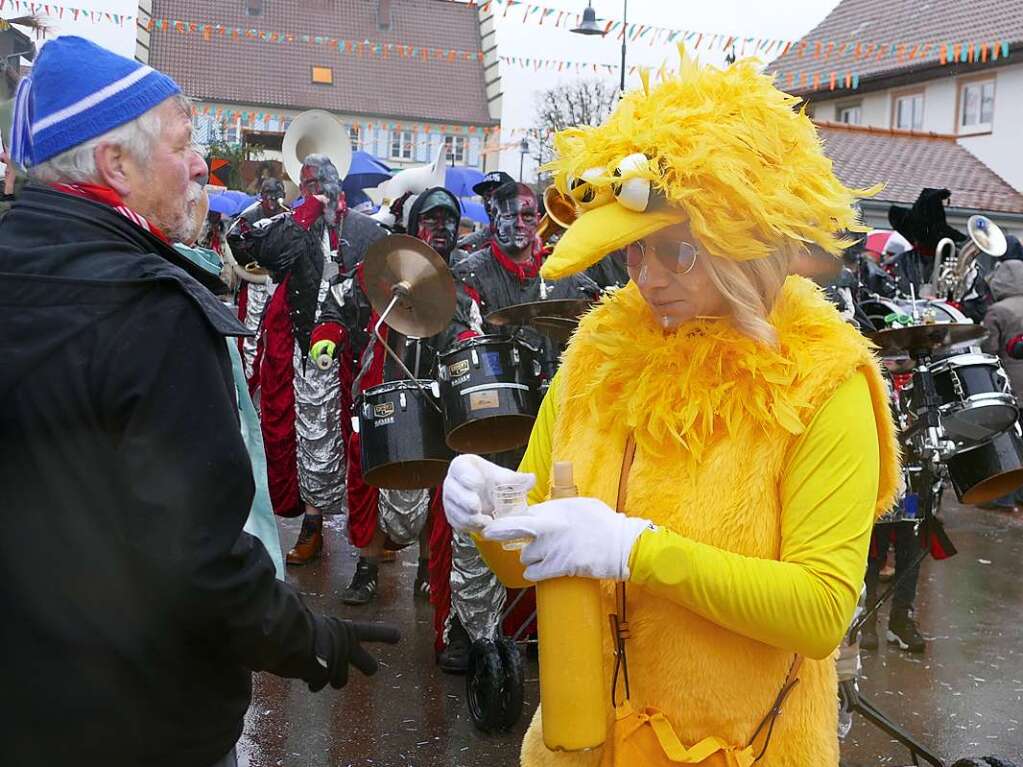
750 289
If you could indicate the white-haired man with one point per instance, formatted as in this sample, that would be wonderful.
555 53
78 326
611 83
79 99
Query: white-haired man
134 607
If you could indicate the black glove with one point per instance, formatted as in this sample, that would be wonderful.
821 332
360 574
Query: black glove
336 646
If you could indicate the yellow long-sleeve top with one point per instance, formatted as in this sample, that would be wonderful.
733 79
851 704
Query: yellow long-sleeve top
801 602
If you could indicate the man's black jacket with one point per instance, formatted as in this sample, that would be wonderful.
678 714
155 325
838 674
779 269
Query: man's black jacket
132 606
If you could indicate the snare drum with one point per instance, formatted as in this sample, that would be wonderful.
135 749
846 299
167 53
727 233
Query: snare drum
988 471
976 398
878 307
490 387
402 435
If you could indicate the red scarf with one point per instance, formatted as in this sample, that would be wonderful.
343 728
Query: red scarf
104 195
522 272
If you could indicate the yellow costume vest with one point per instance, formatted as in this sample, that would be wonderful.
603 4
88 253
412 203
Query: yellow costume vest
714 415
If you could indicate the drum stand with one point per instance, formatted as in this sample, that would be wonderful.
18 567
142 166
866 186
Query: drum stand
932 440
401 292
859 703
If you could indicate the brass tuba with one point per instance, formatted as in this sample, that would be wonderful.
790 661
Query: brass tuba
951 274
560 212
315 132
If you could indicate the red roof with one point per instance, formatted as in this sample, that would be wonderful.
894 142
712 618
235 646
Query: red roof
906 162
911 23
258 73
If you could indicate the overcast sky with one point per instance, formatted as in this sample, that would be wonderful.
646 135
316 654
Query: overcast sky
783 19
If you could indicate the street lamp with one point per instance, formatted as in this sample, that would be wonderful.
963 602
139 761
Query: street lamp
523 151
589 26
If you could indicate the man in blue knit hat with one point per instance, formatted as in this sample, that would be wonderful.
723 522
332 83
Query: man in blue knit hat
134 608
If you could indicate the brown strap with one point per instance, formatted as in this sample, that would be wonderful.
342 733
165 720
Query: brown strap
619 622
791 680
623 476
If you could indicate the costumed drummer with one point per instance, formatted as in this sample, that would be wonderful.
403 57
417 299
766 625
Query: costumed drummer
763 444
300 404
508 271
381 519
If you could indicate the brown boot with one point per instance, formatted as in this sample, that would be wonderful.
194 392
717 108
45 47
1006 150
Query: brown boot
309 543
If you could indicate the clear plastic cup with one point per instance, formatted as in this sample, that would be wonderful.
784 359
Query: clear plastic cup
510 498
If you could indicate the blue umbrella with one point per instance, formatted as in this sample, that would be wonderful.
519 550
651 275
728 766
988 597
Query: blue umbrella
230 203
365 172
474 210
460 180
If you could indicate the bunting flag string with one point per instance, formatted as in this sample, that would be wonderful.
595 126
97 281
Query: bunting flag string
268 119
66 12
747 46
209 31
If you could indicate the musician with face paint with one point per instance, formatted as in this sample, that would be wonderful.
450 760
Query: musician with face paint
301 414
485 189
508 271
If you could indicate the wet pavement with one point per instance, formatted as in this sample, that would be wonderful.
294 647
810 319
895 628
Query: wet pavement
963 697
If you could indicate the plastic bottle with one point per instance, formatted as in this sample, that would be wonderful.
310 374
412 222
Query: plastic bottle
570 624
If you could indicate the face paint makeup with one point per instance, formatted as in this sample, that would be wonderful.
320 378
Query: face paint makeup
515 225
438 228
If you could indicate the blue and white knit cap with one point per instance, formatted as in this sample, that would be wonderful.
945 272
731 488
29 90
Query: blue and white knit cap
75 92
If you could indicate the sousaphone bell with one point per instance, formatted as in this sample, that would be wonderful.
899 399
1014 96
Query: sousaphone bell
315 132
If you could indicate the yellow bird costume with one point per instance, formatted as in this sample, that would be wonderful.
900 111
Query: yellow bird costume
762 467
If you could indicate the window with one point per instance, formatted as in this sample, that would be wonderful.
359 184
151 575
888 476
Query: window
401 145
253 7
851 114
232 132
456 148
909 112
355 136
977 106
323 75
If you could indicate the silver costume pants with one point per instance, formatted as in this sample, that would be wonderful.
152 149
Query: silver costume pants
401 514
321 449
255 303
477 597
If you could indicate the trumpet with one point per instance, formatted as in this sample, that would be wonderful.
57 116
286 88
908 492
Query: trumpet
561 211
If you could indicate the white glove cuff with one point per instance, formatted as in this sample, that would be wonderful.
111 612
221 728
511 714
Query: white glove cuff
631 530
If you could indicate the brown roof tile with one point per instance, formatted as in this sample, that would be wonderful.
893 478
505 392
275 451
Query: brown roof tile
279 74
901 21
907 162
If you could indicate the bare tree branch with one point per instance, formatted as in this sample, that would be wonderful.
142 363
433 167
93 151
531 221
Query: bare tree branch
581 102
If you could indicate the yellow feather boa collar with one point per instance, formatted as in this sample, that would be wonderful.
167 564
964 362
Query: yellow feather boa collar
696 385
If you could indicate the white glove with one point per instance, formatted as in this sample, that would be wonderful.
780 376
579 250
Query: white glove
572 536
469 491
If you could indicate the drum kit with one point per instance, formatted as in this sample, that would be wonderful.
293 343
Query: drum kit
957 418
957 412
487 389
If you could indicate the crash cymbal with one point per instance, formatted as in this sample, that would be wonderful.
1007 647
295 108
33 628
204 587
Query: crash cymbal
925 339
403 266
570 309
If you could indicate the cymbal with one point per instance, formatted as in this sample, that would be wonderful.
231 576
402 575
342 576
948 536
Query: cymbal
556 328
403 266
567 309
917 339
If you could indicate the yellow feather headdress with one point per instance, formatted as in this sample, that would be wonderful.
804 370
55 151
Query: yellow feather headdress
723 149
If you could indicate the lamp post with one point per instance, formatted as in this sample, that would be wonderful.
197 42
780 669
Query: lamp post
589 27
523 151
